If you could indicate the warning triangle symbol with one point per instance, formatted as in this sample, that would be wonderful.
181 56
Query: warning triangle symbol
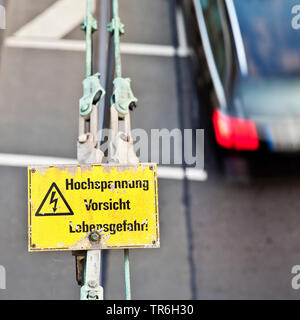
54 204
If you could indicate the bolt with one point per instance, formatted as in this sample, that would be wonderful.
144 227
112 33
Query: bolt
32 170
82 138
124 137
132 106
84 108
92 284
94 236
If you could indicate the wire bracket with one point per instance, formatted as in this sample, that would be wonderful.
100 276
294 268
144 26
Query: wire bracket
92 93
89 20
123 98
91 293
116 24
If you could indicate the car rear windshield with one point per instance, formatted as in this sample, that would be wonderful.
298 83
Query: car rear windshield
271 34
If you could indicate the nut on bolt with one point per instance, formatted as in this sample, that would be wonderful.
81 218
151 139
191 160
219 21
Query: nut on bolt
94 236
92 295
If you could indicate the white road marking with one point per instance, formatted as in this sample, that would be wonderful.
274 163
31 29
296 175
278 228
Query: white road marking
79 45
152 50
177 173
183 49
22 160
164 172
48 44
56 21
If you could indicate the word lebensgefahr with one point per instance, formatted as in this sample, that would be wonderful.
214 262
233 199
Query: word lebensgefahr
111 228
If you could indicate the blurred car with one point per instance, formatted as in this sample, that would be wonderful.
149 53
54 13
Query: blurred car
252 55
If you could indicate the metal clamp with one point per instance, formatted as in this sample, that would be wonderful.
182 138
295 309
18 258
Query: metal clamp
89 20
116 24
91 291
79 262
87 150
92 93
123 98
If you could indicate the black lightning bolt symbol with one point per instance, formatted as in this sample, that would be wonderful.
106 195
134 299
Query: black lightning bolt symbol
54 201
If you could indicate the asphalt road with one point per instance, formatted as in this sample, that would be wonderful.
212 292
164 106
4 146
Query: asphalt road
219 239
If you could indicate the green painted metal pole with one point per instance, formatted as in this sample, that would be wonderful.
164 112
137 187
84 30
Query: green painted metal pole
89 25
127 275
117 30
91 289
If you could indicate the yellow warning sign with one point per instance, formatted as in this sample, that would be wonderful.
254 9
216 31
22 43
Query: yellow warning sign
81 207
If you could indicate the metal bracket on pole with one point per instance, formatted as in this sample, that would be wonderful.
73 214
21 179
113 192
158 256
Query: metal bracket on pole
91 289
89 21
121 139
122 142
87 146
116 24
79 261
92 93
123 98
88 152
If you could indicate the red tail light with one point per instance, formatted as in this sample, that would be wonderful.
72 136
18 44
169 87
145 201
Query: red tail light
235 133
